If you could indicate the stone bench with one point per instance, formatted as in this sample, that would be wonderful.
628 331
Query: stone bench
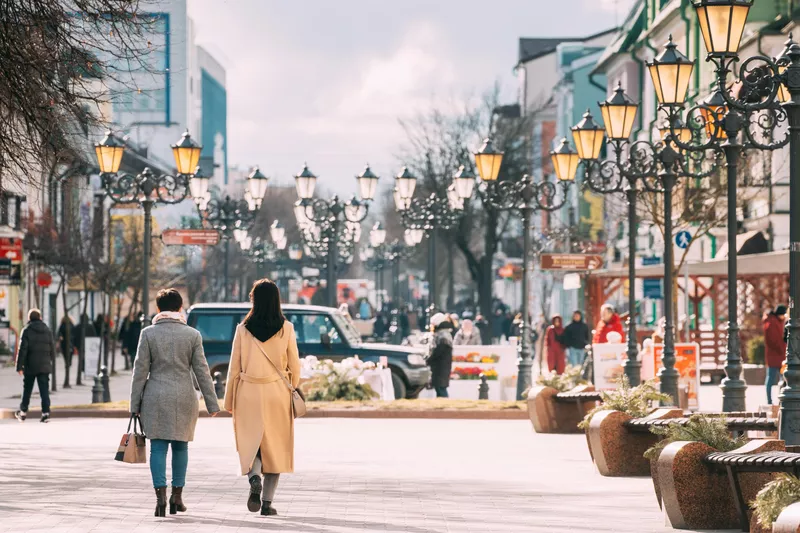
702 488
551 411
617 442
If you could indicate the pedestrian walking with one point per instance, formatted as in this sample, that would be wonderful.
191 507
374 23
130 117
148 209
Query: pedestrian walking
35 360
575 338
468 334
556 356
774 347
609 321
263 362
129 332
498 323
66 342
441 358
483 327
163 394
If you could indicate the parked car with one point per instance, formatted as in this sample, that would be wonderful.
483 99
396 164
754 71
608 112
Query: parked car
321 331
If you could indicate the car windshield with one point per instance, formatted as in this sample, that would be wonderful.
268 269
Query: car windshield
349 330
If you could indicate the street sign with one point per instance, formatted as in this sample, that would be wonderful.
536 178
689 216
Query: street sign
44 279
651 288
5 269
11 249
190 237
571 261
682 239
652 260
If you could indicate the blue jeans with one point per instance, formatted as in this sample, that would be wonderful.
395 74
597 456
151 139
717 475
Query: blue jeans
575 356
158 462
441 392
772 379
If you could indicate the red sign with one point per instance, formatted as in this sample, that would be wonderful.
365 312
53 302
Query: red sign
190 237
43 279
571 261
11 248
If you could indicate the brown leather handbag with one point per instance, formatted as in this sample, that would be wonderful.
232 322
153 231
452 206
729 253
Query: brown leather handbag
132 447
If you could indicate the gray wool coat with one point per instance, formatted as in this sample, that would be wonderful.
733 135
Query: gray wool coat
162 390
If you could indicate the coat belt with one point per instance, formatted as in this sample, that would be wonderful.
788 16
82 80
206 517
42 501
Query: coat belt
259 381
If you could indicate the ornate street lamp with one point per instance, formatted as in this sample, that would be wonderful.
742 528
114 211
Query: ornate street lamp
328 225
233 218
651 167
716 124
147 188
525 196
433 213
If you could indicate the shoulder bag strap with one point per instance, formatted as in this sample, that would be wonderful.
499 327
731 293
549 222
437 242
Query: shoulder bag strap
258 344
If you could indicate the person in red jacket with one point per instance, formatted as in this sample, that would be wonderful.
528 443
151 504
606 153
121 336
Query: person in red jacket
774 347
556 353
609 321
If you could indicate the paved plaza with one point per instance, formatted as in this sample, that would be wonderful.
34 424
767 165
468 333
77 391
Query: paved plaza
414 476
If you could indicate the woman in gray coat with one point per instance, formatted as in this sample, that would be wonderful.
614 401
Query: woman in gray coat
163 394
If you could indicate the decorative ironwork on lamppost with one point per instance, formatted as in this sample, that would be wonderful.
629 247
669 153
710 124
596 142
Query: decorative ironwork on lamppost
264 251
380 255
147 188
636 167
330 223
432 213
750 107
232 217
525 196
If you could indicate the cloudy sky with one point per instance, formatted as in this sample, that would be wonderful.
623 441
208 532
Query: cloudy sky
327 81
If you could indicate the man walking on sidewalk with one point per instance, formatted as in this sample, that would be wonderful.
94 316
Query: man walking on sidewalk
37 353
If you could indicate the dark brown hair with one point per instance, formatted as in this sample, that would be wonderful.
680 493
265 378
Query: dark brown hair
265 318
169 300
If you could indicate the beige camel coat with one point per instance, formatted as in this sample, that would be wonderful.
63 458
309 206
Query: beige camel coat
260 400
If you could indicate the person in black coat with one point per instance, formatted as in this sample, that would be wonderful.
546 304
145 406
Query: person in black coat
483 328
37 352
441 358
575 337
129 333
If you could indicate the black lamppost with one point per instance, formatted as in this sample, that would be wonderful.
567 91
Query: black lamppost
230 216
147 188
260 250
431 214
380 255
329 223
716 123
525 196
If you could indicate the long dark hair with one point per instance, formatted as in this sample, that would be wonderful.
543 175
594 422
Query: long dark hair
265 318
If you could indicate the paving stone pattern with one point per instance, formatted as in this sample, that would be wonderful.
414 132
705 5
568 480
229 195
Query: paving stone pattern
413 476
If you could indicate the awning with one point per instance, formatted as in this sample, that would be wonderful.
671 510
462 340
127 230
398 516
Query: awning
747 265
751 242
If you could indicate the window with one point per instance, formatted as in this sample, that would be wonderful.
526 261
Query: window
309 329
215 328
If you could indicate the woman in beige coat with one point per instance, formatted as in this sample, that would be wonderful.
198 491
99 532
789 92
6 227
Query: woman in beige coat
259 397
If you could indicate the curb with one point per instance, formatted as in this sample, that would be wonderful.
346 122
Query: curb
438 414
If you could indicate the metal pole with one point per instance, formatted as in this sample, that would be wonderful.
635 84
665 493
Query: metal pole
632 366
225 269
668 375
147 204
688 301
432 271
333 257
525 362
789 429
378 283
451 282
733 387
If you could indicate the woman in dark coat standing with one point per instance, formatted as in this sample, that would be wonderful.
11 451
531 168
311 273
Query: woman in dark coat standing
441 358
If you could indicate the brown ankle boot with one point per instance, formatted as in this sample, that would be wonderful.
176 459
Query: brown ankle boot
161 501
176 501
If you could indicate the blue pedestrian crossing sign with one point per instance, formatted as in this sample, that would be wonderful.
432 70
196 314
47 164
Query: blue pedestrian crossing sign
683 238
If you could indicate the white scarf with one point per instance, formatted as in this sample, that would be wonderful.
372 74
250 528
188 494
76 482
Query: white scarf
169 315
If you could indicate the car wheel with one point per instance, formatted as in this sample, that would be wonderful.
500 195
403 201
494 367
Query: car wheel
399 386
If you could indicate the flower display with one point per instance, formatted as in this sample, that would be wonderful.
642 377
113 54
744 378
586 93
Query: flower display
473 372
475 357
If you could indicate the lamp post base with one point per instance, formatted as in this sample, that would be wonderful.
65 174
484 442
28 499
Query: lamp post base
733 395
523 375
633 371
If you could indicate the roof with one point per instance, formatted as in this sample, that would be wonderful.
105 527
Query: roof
532 47
626 35
747 265
247 305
